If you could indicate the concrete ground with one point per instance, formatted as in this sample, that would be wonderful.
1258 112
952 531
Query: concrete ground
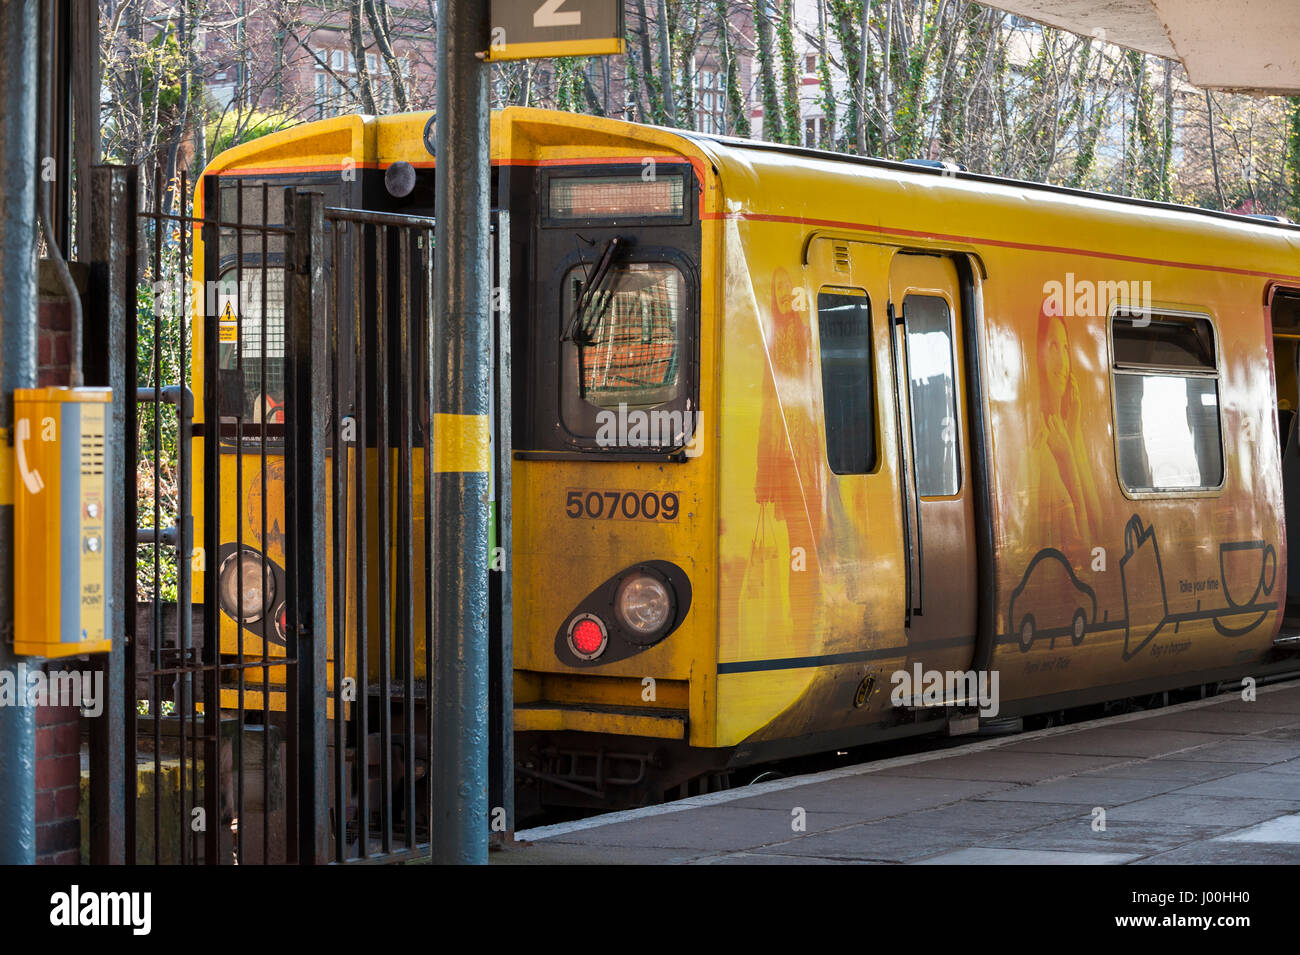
1213 781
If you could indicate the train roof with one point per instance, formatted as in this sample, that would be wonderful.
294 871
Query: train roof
917 168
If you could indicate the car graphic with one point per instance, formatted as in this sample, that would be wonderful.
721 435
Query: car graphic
1051 601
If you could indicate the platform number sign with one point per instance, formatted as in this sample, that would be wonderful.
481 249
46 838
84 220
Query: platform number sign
525 29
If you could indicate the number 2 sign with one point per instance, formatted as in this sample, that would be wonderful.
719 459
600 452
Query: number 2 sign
527 29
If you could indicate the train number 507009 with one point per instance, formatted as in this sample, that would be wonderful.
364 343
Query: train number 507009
622 505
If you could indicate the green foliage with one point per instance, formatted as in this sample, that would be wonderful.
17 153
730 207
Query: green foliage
161 69
1293 156
845 17
737 113
225 132
773 127
163 309
790 118
911 92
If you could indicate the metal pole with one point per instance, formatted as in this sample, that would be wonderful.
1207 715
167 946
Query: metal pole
111 341
307 407
461 378
18 21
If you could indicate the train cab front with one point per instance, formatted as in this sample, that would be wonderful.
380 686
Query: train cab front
614 513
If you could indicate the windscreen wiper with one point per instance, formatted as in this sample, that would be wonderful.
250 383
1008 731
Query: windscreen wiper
577 330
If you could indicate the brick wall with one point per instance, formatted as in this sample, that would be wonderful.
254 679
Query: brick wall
58 728
58 785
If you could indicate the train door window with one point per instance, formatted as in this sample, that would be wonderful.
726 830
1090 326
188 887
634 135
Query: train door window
928 320
1166 385
255 327
844 333
250 303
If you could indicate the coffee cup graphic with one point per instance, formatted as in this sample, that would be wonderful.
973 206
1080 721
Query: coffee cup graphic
1247 569
1247 573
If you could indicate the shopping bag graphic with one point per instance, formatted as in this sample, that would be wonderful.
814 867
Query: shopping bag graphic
1146 605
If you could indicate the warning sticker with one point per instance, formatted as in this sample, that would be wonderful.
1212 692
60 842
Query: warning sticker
229 327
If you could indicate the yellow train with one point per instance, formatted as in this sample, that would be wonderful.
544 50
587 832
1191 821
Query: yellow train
812 450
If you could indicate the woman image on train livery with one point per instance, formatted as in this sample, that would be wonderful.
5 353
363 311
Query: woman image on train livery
1069 507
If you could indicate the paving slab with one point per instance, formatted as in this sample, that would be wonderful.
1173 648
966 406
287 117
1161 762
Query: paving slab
1250 749
1213 719
1203 810
1103 791
873 795
1215 852
1165 767
983 856
1282 829
1110 741
981 820
1284 702
765 858
885 842
1078 835
712 828
1282 732
549 852
1000 765
1252 785
1291 767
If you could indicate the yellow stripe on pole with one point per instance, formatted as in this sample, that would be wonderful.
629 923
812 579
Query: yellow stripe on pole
461 443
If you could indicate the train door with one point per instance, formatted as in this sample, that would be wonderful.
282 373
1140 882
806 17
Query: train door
1284 313
934 462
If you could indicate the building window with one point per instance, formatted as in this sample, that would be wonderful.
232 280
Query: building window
1166 385
810 63
813 127
711 101
844 334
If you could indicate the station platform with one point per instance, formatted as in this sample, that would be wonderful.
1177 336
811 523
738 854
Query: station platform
1208 782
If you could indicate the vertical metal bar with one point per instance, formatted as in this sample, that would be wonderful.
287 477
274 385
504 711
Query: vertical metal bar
211 517
306 422
462 363
18 178
430 505
382 435
155 684
184 524
237 757
268 624
364 540
503 657
111 354
338 510
405 532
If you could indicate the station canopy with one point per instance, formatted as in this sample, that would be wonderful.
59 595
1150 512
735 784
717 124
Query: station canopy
1247 45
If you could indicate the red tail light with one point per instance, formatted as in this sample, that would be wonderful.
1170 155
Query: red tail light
588 636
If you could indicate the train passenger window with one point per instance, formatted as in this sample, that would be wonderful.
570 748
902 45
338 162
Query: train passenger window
933 394
844 332
624 347
1167 430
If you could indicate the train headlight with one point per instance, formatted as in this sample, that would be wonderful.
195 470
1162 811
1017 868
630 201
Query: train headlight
588 637
644 606
247 573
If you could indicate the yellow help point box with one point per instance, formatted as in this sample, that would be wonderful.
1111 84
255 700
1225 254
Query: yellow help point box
63 546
